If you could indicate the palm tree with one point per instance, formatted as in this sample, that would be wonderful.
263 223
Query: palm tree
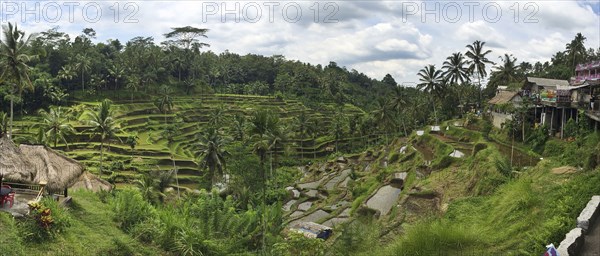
13 63
575 48
239 127
54 126
102 123
132 142
217 117
507 72
384 116
165 102
398 102
266 134
84 65
211 154
455 70
133 84
339 127
66 73
477 61
116 71
302 125
431 82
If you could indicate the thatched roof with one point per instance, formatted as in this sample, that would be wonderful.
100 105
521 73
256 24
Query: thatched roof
56 169
502 97
91 182
13 164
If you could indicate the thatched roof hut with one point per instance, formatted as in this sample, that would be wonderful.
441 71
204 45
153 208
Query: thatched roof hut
91 182
13 164
57 170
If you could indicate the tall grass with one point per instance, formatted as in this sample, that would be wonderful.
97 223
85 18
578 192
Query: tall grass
435 237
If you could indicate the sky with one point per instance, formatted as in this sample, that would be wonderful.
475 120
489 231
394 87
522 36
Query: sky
372 37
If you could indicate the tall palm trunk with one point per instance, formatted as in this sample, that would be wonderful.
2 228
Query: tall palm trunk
82 82
11 117
101 157
434 112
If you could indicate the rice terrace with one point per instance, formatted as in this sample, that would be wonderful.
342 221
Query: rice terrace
300 128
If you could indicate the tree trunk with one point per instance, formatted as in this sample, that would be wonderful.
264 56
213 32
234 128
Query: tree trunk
101 157
11 116
176 178
82 81
434 112
523 127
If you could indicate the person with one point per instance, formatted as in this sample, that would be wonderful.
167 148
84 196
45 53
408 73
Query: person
592 102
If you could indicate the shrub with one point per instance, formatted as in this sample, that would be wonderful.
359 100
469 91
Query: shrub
130 209
478 147
394 157
434 237
554 148
486 128
45 221
571 129
298 245
119 248
444 162
538 138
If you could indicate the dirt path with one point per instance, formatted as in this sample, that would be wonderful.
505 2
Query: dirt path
591 247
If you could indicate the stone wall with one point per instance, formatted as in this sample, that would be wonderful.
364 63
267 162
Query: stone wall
575 239
499 118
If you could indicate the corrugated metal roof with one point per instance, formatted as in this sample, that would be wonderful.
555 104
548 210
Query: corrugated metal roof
547 82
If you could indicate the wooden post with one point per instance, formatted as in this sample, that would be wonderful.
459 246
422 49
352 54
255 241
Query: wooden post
562 123
552 123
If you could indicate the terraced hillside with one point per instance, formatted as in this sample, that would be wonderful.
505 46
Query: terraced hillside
155 150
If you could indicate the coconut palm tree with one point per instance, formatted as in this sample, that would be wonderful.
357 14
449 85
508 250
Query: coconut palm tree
267 134
133 84
302 126
398 102
211 153
116 71
431 83
55 126
13 63
217 117
66 73
239 127
384 116
477 61
507 72
455 69
164 103
83 65
103 124
577 48
339 127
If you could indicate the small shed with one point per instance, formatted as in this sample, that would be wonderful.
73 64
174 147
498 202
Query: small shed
313 230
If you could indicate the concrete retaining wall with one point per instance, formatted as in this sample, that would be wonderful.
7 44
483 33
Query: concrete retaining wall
499 118
574 240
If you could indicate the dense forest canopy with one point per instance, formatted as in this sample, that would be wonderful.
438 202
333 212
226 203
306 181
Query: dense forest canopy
155 109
